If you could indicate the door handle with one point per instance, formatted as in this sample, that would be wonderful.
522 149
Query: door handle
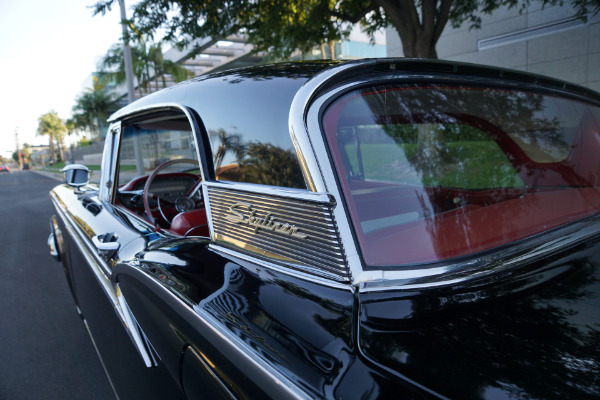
106 244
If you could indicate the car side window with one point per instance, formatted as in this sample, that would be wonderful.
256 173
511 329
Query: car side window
158 174
237 159
143 148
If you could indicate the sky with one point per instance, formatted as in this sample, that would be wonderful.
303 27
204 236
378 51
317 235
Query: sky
48 49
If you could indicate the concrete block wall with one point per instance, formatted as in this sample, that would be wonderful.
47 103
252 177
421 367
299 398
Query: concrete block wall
545 43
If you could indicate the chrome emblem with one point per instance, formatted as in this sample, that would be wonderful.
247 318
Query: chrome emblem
242 213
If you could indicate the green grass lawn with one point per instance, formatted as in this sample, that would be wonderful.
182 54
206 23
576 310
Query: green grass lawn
61 164
466 164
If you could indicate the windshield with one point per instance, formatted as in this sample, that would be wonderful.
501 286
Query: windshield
437 172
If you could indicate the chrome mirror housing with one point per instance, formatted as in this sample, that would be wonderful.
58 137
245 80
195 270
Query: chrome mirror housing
76 175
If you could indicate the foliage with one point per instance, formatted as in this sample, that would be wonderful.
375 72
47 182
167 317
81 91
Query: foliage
224 143
281 27
92 108
271 165
50 124
148 65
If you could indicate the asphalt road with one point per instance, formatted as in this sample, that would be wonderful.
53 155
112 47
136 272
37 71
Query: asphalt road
45 351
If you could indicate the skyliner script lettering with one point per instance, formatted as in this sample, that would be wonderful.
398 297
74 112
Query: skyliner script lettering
268 222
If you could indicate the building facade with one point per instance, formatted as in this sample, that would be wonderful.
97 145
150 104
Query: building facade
547 41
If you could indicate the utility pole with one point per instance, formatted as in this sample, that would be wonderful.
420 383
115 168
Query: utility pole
127 53
139 162
18 150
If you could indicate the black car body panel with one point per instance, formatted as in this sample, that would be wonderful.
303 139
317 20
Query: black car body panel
275 298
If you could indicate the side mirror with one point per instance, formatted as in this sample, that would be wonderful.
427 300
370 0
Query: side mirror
76 175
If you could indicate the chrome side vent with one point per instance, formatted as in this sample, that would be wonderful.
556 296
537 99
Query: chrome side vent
298 232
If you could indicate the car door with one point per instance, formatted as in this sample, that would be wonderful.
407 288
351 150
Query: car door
99 236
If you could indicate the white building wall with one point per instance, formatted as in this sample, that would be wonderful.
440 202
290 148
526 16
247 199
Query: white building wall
543 41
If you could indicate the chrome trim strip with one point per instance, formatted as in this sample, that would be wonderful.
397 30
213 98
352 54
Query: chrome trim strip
109 162
135 329
303 138
220 249
129 111
289 193
102 274
460 272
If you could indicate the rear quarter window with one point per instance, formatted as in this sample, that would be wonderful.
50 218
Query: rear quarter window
434 173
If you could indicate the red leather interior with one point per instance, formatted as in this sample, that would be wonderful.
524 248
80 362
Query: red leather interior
191 223
471 229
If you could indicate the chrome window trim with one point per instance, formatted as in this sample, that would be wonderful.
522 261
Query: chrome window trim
305 128
102 273
109 158
119 118
279 191
155 108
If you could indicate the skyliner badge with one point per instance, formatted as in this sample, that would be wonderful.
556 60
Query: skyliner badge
239 216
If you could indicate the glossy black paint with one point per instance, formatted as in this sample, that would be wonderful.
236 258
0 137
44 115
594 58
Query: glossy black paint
531 334
124 367
220 325
257 104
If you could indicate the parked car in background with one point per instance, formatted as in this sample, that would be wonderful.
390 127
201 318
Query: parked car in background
4 168
386 228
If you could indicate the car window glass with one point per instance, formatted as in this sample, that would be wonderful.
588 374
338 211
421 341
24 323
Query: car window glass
159 176
437 172
144 148
249 137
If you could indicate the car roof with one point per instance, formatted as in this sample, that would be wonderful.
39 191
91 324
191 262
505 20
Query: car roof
288 77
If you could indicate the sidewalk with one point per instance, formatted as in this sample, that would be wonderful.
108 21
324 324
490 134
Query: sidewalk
54 175
94 178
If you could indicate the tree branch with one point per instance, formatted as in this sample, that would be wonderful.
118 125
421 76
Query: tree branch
442 19
357 16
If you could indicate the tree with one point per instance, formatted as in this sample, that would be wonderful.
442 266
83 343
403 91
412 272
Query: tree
50 124
92 108
71 125
225 143
148 64
281 27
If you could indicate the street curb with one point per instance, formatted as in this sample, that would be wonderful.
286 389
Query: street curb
54 175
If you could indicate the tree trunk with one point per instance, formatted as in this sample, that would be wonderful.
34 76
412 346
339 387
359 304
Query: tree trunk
331 44
52 149
419 30
61 151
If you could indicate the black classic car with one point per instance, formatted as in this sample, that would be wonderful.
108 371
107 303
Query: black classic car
384 228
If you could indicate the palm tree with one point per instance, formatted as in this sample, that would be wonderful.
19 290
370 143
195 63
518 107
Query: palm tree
164 67
50 124
148 64
92 108
71 125
113 66
225 143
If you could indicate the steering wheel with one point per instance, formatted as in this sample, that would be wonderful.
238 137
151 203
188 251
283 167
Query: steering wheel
182 204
